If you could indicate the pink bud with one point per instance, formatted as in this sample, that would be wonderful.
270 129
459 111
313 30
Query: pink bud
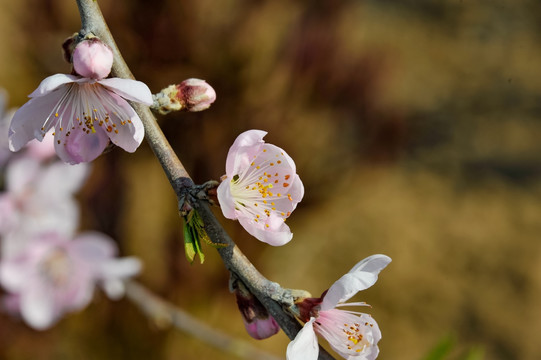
195 94
92 59
257 321
262 328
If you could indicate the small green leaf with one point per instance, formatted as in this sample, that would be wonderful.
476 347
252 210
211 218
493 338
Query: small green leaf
189 247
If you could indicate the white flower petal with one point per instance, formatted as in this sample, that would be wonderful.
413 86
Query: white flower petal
246 139
276 234
38 307
114 272
125 129
52 83
59 180
93 247
114 288
21 173
226 200
120 268
361 277
129 89
304 346
373 264
349 334
13 275
28 121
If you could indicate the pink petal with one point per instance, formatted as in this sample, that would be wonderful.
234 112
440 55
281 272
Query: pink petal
60 180
353 336
296 190
246 139
93 247
41 149
304 346
8 214
52 83
276 234
80 146
227 202
21 173
354 281
129 89
13 274
130 135
28 121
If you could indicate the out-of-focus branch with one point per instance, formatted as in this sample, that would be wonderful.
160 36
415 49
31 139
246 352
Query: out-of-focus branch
269 293
165 314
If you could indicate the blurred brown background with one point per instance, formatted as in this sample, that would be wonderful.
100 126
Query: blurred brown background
415 126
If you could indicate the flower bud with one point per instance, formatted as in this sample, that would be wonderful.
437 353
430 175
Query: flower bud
92 59
190 95
257 321
261 329
195 94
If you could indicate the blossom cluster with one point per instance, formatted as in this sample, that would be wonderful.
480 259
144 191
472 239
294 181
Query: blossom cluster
261 189
46 268
49 270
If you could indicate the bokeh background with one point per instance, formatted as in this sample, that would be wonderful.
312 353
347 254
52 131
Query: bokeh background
415 126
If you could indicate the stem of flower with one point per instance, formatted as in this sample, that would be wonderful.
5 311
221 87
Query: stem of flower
266 291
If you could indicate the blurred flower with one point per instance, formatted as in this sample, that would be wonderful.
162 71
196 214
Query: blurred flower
54 275
260 188
190 95
257 321
5 118
41 150
38 198
350 333
85 112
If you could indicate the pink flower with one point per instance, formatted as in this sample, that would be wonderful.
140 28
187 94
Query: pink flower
260 188
40 150
353 335
55 276
85 112
38 198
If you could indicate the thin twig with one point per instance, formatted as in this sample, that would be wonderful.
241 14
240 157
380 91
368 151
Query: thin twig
164 313
266 291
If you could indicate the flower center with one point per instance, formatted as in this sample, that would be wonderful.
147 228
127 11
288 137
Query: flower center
355 339
56 267
262 187
348 332
83 107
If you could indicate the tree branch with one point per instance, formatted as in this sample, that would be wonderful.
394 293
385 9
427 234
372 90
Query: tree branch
164 313
266 291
